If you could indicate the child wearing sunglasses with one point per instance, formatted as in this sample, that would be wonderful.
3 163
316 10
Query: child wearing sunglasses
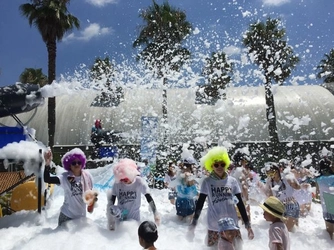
76 182
128 188
283 185
222 192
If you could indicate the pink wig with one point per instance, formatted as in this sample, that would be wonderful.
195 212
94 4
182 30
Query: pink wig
72 155
125 168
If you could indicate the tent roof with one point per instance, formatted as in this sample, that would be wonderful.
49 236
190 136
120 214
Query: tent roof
303 113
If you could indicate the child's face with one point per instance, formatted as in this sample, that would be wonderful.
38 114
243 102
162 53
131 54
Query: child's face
187 168
230 234
268 217
219 168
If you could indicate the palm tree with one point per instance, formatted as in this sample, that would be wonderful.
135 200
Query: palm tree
326 68
218 73
35 76
267 47
101 74
52 20
164 30
102 69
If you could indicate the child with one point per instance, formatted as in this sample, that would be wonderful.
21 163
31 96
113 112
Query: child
186 192
128 188
229 235
221 190
76 182
148 234
278 231
283 186
169 177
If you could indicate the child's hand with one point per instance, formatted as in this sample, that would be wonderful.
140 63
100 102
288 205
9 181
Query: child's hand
90 197
48 157
250 233
157 219
115 211
191 233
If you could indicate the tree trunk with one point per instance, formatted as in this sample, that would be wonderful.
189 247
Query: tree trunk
164 105
52 51
162 153
271 118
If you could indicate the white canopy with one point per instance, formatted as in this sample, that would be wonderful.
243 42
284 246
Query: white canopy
303 113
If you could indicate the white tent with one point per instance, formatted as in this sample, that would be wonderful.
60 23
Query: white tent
304 113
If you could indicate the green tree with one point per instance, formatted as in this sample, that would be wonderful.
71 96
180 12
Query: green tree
101 75
326 68
35 76
218 72
52 20
161 36
268 48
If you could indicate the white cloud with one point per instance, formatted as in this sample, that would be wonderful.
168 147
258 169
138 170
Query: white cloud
93 30
231 50
275 2
101 3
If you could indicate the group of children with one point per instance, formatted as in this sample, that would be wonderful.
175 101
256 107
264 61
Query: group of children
220 190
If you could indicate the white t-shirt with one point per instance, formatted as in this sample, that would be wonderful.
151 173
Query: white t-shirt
282 192
129 196
168 179
220 199
303 195
278 233
73 207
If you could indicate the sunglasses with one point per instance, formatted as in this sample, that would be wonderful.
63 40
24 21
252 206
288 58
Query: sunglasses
271 173
74 163
217 165
124 180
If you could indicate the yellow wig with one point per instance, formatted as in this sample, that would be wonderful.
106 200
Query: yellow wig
216 154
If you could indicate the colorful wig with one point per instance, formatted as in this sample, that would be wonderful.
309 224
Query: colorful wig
216 154
72 155
125 168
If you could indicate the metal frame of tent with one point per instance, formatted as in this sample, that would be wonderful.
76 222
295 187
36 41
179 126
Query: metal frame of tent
13 100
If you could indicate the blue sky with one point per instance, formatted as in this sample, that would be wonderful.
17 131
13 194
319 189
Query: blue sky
109 27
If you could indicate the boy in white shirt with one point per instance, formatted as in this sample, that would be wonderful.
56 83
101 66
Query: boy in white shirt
278 232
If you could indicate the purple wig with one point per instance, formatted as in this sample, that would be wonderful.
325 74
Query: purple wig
72 155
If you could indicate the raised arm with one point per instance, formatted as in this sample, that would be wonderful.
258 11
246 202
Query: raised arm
46 175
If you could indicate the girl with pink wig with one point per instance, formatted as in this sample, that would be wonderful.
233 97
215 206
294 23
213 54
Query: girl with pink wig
76 182
128 188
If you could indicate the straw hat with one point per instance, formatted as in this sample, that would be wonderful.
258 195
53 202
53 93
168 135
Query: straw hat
274 206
